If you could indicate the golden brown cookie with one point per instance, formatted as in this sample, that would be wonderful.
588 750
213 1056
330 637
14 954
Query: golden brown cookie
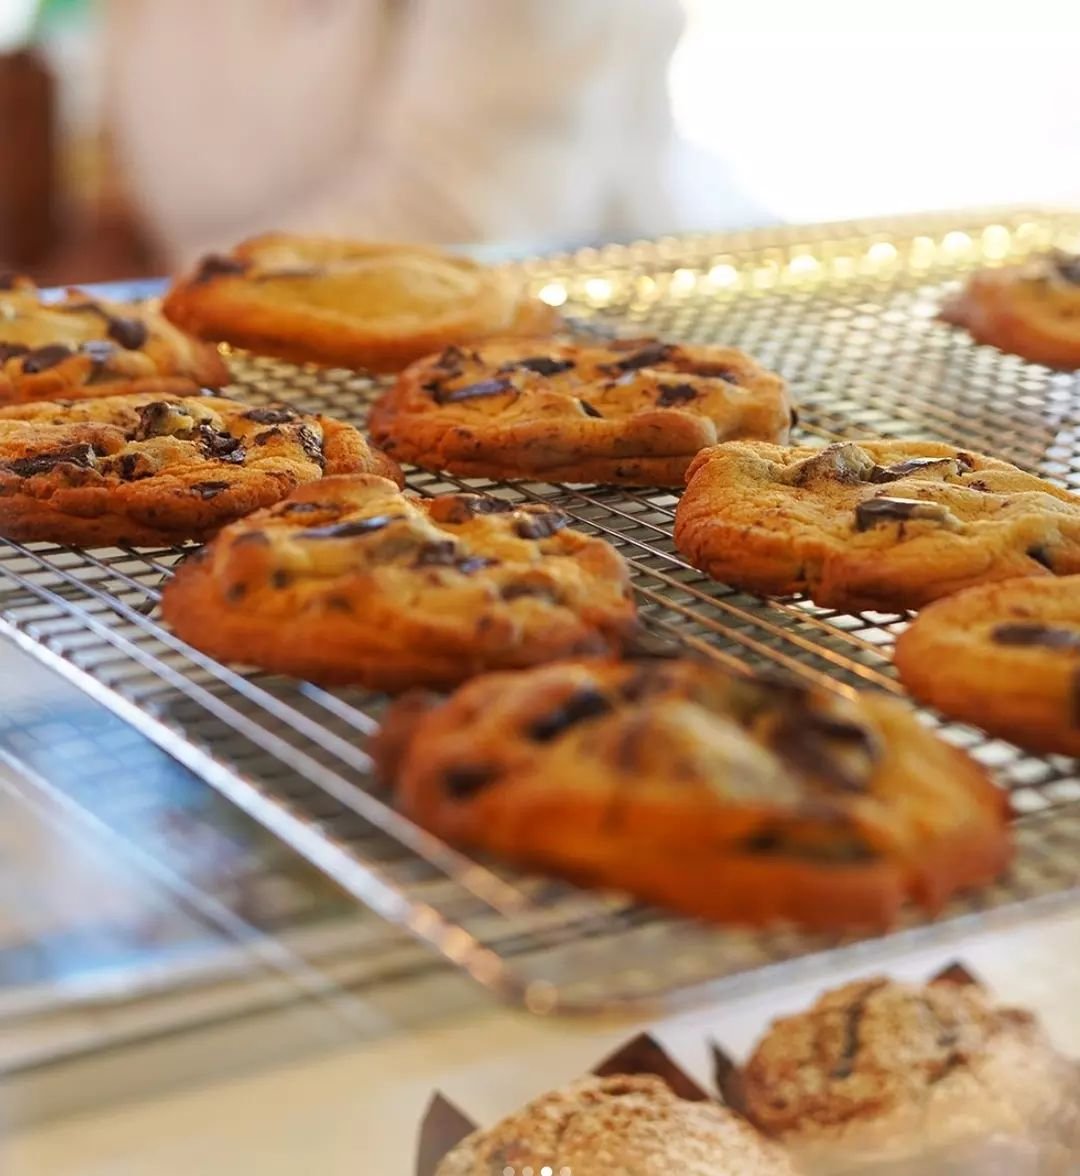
1032 309
871 524
143 470
634 411
932 1080
619 1126
352 303
83 346
1003 656
734 799
351 580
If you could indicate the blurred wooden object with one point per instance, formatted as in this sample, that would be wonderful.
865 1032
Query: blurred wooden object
28 188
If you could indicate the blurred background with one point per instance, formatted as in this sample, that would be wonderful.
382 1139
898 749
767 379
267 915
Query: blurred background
135 134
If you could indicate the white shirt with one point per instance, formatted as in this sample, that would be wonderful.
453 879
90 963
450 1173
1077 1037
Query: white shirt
438 120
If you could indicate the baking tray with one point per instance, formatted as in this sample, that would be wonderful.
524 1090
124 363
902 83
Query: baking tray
846 313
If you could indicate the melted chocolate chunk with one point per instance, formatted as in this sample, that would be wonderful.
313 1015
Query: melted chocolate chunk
217 265
311 445
1041 556
584 704
716 371
978 484
130 333
452 357
82 456
279 578
162 419
350 528
43 358
834 753
541 525
447 554
266 436
1067 266
542 365
845 1065
12 350
476 391
672 394
220 444
460 508
129 467
783 843
464 780
1030 634
209 489
474 563
647 356
589 410
891 510
903 468
273 415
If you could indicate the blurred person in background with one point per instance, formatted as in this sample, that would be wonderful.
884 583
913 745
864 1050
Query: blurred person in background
543 121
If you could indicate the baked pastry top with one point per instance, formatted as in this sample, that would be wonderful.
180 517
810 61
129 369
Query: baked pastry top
871 524
631 411
353 581
936 1078
736 799
1031 309
145 470
83 346
618 1126
1004 656
351 303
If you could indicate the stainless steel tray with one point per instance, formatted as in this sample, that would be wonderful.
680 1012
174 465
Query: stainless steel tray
846 312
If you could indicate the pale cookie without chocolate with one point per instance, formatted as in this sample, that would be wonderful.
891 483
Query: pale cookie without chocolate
1005 657
356 304
619 1126
871 524
82 346
740 800
1031 309
145 470
632 412
353 581
905 1080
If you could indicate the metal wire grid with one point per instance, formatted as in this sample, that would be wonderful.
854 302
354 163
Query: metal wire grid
847 315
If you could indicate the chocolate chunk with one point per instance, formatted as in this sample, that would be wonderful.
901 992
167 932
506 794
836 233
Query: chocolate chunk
541 525
842 462
856 1011
221 445
1031 634
339 604
129 467
217 265
311 445
1067 266
1041 556
834 753
519 591
451 357
588 409
12 350
978 484
279 578
266 436
272 415
447 554
159 418
464 780
672 394
460 508
130 333
890 510
350 528
716 371
289 508
235 593
474 563
209 489
542 365
82 456
583 704
476 391
794 417
903 468
43 358
648 356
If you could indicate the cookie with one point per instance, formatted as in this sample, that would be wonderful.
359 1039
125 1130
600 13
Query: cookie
1032 310
733 799
1003 656
351 303
880 1076
351 580
142 470
619 1126
632 412
871 524
83 346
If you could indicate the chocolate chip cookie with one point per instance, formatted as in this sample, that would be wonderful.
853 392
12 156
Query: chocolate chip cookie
733 799
351 580
142 470
632 412
1032 310
871 524
355 304
1004 656
916 1080
82 346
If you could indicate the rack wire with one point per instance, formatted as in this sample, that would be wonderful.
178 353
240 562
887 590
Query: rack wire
846 313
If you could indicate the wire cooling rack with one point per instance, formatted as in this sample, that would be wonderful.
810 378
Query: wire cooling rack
846 313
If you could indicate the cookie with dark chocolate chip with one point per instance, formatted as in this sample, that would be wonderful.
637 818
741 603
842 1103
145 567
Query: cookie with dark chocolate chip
879 524
735 799
144 470
354 581
1003 656
83 346
633 411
